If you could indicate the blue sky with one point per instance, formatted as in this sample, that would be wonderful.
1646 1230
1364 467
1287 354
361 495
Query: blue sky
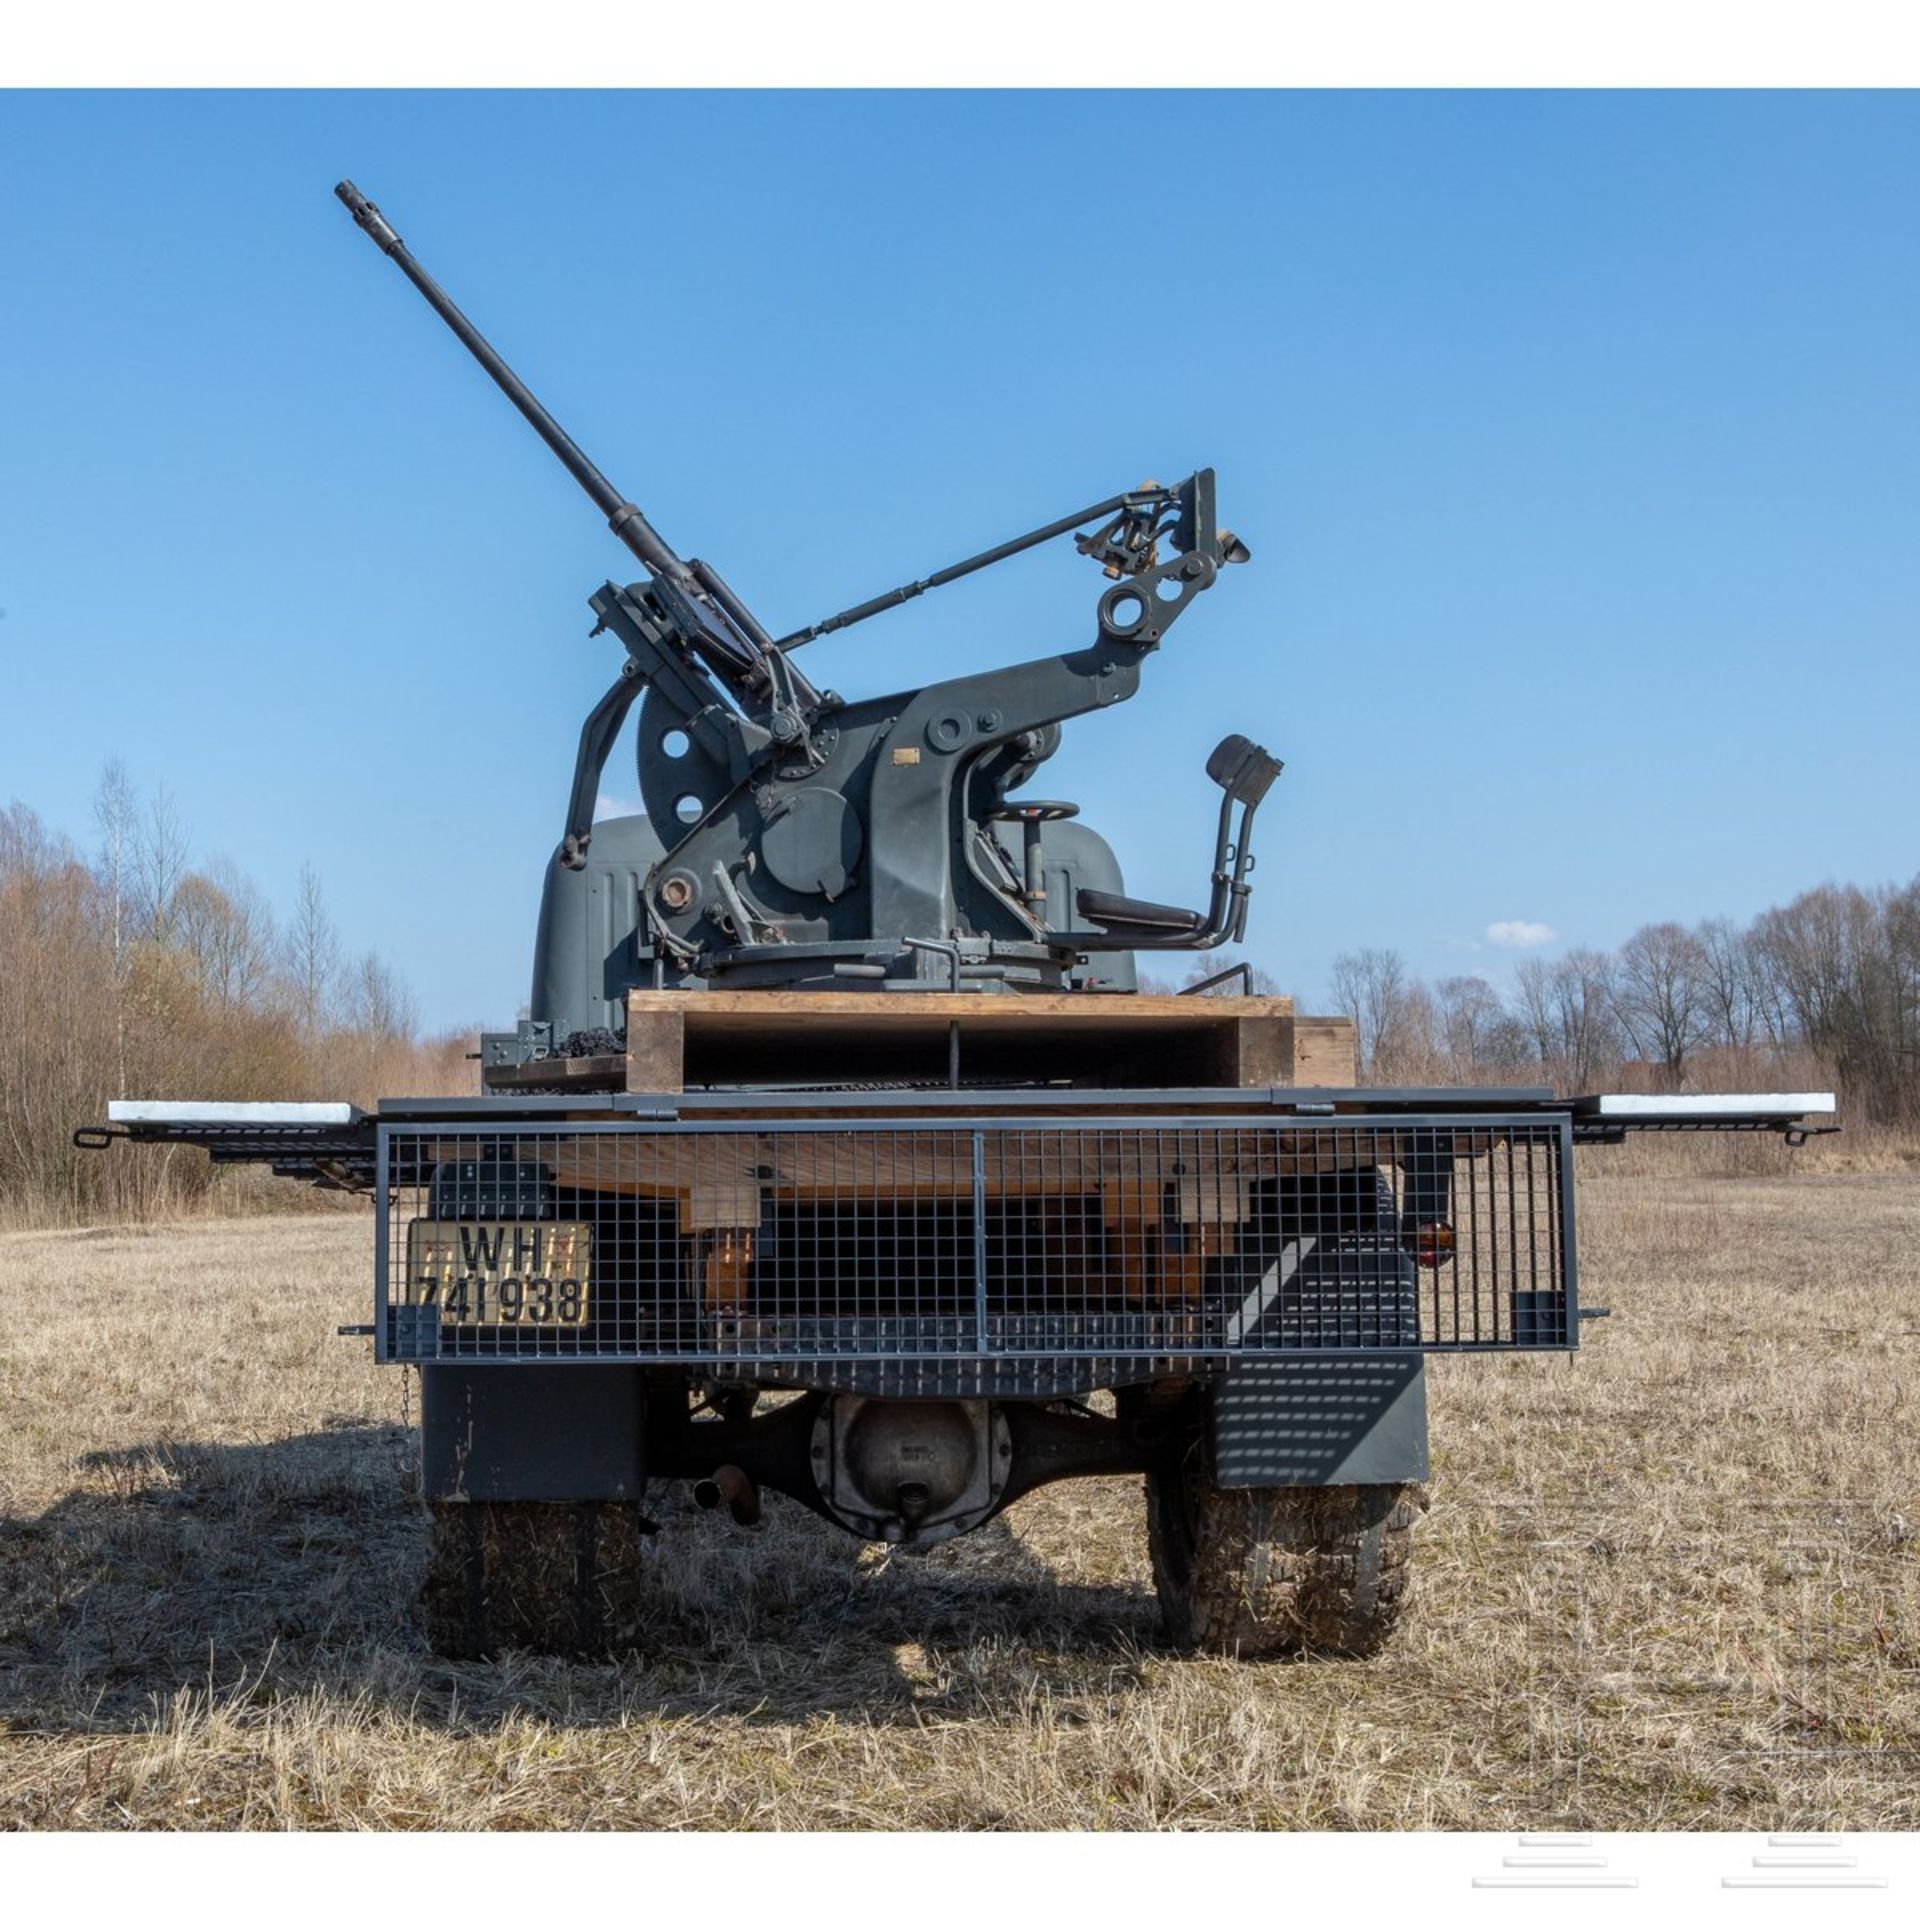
1576 437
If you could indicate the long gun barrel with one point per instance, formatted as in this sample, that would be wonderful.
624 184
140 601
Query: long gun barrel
626 520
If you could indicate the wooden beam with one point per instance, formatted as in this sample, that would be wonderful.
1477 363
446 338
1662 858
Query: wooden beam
656 1042
567 1073
1324 1052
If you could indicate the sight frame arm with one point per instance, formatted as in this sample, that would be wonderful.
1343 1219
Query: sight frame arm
1127 544
1144 499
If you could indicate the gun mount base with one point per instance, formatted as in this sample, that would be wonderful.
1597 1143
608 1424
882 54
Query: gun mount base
894 966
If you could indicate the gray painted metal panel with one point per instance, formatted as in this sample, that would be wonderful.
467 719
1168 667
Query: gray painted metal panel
531 1433
1313 1421
588 950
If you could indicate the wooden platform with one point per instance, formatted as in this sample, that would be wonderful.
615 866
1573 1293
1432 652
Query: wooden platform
679 1040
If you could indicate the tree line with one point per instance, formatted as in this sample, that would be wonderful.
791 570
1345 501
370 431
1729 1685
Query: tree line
136 971
1829 981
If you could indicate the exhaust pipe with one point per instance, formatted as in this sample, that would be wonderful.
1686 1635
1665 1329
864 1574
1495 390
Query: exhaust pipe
730 1487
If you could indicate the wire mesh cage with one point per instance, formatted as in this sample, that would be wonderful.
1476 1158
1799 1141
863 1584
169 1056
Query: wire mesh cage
806 1241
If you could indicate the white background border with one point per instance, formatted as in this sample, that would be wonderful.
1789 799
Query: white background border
962 43
571 43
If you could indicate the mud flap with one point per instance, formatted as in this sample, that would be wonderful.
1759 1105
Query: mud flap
502 1433
1299 1420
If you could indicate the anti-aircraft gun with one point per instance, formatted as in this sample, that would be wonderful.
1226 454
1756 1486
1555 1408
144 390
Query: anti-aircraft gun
840 1155
794 839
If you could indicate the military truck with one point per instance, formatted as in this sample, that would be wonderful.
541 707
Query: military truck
841 1156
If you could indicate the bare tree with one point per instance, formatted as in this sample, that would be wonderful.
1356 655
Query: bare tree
1507 1051
1902 914
159 864
1844 966
1660 995
116 810
1585 1032
226 928
1469 1013
1804 948
1369 985
1730 1002
379 1006
1408 1050
312 955
1533 992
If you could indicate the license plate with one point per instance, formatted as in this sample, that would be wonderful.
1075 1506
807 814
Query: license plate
501 1273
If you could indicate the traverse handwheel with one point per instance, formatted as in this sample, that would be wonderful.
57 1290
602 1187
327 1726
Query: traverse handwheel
1032 816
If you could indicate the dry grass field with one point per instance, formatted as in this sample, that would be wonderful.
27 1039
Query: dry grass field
1672 1583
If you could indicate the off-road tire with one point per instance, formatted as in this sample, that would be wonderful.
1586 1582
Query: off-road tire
554 1577
1255 1572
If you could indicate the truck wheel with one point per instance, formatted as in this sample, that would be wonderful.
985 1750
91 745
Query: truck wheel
555 1577
1271 1570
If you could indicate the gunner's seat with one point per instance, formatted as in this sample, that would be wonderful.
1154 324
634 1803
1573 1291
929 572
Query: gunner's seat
1116 911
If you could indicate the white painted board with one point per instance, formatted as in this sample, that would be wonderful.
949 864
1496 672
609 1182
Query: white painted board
1679 1106
233 1113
